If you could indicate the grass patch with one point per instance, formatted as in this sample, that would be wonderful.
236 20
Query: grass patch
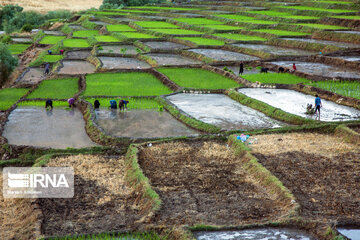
272 78
239 37
348 89
51 39
322 26
9 96
51 58
222 27
124 84
167 8
336 2
203 41
155 24
132 11
198 21
85 33
299 17
355 17
108 13
76 43
119 28
42 104
56 89
256 21
198 78
318 9
110 236
107 39
235 17
134 103
176 31
18 48
280 32
270 13
136 35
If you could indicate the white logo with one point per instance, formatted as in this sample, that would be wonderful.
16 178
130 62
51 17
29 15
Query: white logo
35 180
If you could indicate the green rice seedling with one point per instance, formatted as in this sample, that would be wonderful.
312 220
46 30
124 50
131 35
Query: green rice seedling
348 89
355 17
109 13
235 17
270 13
85 33
306 8
51 58
176 31
124 84
56 89
76 43
222 27
299 17
51 39
239 37
279 32
155 24
198 21
257 21
104 38
272 78
133 11
203 41
134 103
120 28
167 8
135 35
9 96
18 48
42 104
322 26
198 78
336 2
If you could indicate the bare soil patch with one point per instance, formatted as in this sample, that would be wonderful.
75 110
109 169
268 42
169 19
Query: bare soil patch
102 202
204 183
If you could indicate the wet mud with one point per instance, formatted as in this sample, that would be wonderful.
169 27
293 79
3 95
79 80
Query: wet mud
59 128
350 58
165 45
123 63
77 27
201 183
75 55
222 111
120 49
222 55
76 67
141 124
32 76
21 40
280 51
295 102
331 43
54 33
163 59
236 69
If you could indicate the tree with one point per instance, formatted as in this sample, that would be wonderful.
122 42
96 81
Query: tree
8 12
7 63
120 3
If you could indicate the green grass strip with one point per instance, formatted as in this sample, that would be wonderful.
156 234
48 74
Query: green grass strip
119 28
85 33
51 39
306 8
56 89
155 24
322 26
42 104
280 32
222 27
239 37
203 41
51 58
175 31
273 78
134 103
198 21
355 17
18 48
107 39
76 43
136 35
9 96
348 89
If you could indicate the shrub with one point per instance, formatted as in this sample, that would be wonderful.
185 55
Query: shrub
7 63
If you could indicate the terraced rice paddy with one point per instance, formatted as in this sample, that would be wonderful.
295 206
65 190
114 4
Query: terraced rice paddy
203 41
18 48
76 43
57 88
10 96
51 39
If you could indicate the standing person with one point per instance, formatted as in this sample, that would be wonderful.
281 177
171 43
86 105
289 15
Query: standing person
47 69
61 51
96 104
294 67
113 104
241 70
318 105
71 102
49 103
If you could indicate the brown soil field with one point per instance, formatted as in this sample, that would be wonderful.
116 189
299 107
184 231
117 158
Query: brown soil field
18 218
52 5
321 171
102 202
204 183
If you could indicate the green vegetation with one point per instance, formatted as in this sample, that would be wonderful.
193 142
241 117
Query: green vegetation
124 84
85 33
322 26
337 2
235 17
76 43
119 28
198 78
348 89
168 8
48 58
272 78
176 31
108 13
299 17
42 104
280 32
222 27
9 96
270 13
133 11
7 63
203 41
136 35
56 89
239 37
307 8
18 48
111 236
134 103
197 21
104 38
256 21
155 24
355 17
51 39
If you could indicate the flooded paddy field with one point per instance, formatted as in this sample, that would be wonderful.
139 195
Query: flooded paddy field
236 69
164 59
322 171
31 76
320 69
351 233
77 27
83 55
76 67
54 33
280 51
332 43
208 188
37 127
350 58
141 124
119 49
165 45
295 102
222 55
21 40
122 63
221 111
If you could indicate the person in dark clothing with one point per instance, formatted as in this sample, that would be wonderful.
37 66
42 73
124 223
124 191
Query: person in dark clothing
264 70
96 104
241 70
113 104
281 70
49 103
123 104
47 69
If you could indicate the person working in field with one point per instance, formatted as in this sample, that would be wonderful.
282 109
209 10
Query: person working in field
96 104
71 102
113 104
123 104
318 105
241 69
47 69
49 103
293 67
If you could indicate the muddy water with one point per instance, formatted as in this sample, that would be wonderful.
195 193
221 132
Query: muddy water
141 124
165 45
320 69
160 18
33 76
295 102
122 19
21 40
332 43
172 59
100 23
123 63
353 234
76 67
221 111
78 55
116 49
222 55
350 32
275 50
236 69
349 58
255 234
77 27
54 33
59 128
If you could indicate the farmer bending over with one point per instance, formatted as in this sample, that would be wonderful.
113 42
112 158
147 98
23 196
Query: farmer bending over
96 104
123 104
113 104
48 104
71 102
318 104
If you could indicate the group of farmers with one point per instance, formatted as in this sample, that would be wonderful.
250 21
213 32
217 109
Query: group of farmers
71 102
